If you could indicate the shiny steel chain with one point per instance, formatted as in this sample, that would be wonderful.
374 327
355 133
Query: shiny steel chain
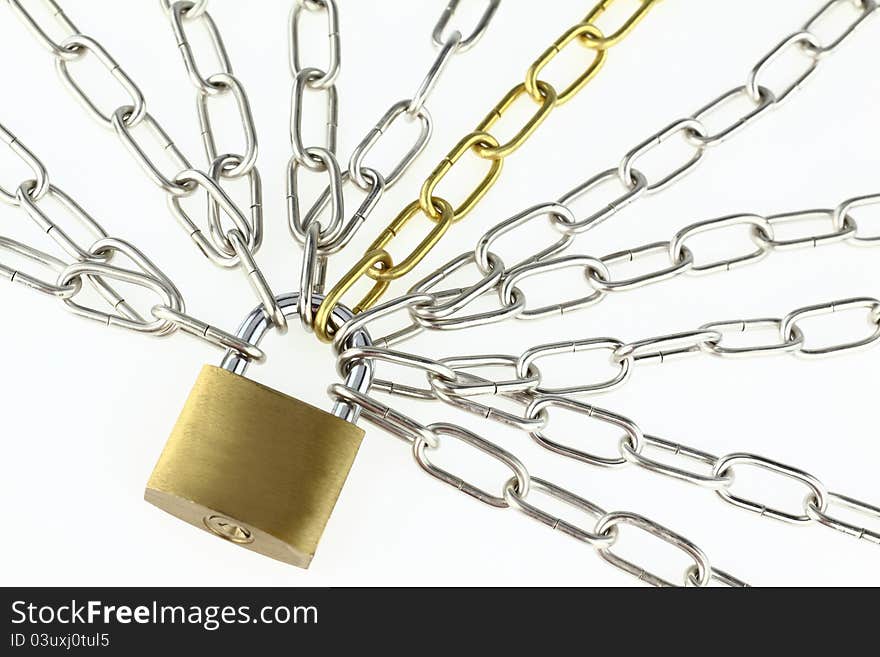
443 313
519 492
317 239
836 225
377 262
451 382
240 242
708 471
94 263
232 247
441 309
337 234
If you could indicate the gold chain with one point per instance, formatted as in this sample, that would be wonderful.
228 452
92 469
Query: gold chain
377 262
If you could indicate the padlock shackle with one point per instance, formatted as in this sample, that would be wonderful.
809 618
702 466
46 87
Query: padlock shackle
256 325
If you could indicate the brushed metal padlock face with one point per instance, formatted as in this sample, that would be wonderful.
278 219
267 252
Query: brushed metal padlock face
254 466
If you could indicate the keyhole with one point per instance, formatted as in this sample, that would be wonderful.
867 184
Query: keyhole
229 529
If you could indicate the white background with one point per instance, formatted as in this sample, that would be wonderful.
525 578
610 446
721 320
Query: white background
86 410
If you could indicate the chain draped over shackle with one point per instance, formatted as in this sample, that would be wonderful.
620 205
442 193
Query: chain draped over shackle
310 231
238 244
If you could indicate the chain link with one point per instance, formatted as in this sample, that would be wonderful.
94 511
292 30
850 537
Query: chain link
611 521
524 364
246 162
584 262
790 330
326 76
358 171
80 46
180 17
555 211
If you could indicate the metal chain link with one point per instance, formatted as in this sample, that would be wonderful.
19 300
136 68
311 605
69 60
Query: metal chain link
485 146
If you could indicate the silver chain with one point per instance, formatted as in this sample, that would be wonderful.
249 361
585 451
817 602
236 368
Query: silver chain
434 310
450 383
515 492
95 264
320 239
238 244
234 247
309 231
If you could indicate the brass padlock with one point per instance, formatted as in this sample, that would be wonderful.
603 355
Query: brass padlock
254 466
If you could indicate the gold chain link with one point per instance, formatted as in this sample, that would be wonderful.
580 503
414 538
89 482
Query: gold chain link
377 262
369 259
443 222
470 142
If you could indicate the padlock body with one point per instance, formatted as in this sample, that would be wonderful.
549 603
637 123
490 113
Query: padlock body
254 466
